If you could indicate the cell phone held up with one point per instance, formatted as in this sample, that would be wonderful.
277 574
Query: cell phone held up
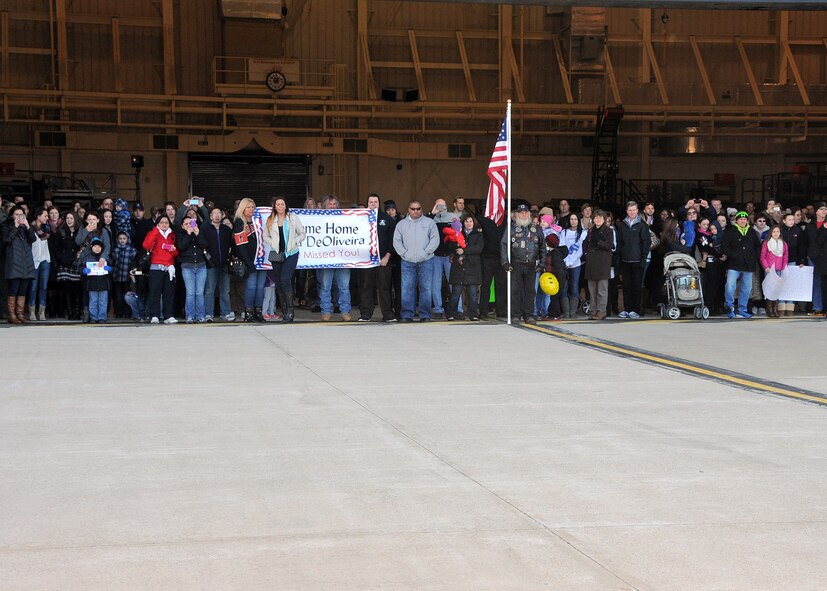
166 246
193 223
193 202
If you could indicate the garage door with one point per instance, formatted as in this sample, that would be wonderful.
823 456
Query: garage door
223 178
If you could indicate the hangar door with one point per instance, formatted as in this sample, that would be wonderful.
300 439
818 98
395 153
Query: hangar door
223 178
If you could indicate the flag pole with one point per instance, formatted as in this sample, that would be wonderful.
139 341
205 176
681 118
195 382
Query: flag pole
508 207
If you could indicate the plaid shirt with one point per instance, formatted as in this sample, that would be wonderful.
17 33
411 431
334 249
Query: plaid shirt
122 258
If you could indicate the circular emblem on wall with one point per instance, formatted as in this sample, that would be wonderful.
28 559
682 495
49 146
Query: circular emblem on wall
275 81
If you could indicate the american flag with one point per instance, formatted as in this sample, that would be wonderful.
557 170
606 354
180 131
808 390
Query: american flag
498 173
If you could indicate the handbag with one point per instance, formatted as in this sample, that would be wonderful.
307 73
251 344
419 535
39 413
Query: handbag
275 257
236 267
654 241
76 268
142 261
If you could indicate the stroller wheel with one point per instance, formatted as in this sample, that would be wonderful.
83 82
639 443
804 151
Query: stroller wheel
673 312
698 312
705 313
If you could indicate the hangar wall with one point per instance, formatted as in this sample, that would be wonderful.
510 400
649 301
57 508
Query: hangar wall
105 51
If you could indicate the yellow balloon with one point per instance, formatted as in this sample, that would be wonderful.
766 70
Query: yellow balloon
549 284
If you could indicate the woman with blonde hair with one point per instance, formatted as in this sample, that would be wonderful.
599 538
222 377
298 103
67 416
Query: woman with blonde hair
246 244
284 233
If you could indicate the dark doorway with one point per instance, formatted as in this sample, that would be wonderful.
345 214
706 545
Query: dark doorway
224 178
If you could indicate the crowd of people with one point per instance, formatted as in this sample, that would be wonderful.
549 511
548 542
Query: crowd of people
195 261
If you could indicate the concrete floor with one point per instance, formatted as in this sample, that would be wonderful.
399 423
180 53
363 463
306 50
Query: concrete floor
441 456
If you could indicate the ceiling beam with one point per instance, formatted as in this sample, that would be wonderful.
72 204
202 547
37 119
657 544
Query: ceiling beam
661 4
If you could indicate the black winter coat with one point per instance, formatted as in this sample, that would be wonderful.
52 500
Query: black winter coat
598 250
218 242
18 249
817 251
64 247
246 251
190 248
466 268
796 244
492 235
742 251
633 242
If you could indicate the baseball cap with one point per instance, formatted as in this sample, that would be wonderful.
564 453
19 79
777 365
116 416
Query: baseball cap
522 207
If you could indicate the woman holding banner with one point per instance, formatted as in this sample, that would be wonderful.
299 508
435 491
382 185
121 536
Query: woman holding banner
284 233
246 244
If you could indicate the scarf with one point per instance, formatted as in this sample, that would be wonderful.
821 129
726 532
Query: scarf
743 230
165 233
775 246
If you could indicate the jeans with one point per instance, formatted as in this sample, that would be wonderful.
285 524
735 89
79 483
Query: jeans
325 278
217 277
541 300
417 275
283 278
98 304
473 297
39 285
254 288
195 278
137 304
743 294
441 267
573 282
268 306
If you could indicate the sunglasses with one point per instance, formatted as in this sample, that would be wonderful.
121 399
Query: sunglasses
414 208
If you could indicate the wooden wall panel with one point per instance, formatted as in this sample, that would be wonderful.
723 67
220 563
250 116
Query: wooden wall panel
198 40
91 66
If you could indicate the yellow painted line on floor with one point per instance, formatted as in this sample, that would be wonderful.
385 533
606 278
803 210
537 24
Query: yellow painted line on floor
718 375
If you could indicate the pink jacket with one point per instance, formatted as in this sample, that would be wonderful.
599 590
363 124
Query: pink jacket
768 259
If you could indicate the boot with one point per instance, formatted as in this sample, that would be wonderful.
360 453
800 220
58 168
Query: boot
286 301
564 307
771 305
573 307
258 316
248 315
32 315
20 309
42 315
10 303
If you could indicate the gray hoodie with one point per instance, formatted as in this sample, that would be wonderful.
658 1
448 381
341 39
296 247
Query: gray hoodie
416 240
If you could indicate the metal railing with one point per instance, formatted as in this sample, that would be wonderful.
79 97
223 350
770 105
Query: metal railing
247 75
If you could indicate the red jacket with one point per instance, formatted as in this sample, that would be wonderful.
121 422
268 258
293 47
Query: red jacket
161 255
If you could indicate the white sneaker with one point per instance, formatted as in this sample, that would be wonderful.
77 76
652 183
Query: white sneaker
154 320
634 316
171 320
230 317
623 314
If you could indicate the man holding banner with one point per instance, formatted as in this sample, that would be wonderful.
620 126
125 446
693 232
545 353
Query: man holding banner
378 277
